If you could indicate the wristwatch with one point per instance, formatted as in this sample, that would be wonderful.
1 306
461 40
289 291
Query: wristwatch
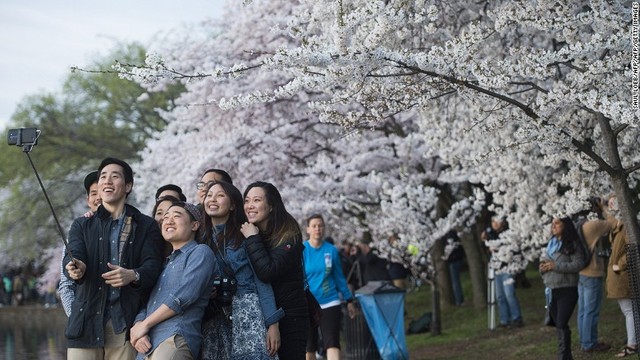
137 276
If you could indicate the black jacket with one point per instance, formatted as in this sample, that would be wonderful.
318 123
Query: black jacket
282 268
89 242
374 268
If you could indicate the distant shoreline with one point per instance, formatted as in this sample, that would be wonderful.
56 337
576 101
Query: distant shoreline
26 314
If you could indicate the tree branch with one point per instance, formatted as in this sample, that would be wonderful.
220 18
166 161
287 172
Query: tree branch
580 146
632 169
619 129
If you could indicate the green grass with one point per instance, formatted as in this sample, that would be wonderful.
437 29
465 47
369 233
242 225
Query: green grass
465 333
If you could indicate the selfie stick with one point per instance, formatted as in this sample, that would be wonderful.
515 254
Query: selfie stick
26 149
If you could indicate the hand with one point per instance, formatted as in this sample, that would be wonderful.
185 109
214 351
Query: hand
118 276
248 229
273 339
88 214
137 332
76 269
615 267
143 345
547 266
351 309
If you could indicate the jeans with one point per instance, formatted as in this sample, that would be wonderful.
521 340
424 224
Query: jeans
508 305
454 273
589 304
627 309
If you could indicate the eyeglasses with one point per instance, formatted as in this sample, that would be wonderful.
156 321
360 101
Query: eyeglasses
203 186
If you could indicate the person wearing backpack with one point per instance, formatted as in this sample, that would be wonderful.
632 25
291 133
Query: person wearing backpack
590 283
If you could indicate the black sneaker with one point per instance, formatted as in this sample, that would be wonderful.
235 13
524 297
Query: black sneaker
517 323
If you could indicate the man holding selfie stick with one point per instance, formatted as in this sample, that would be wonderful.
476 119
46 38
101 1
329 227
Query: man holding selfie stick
117 257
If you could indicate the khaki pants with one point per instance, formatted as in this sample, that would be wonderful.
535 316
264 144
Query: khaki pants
116 347
174 348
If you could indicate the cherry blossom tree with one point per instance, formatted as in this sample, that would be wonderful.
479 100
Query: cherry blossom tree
513 86
372 179
528 101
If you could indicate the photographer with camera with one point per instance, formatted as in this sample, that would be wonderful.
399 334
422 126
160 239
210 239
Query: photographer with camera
241 321
169 327
594 224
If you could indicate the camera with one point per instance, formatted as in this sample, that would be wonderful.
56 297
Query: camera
225 288
23 136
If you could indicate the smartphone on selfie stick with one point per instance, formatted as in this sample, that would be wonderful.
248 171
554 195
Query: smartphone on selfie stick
27 138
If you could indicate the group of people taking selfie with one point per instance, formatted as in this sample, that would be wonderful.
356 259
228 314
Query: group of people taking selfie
220 279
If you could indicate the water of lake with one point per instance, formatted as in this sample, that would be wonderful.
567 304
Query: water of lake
32 332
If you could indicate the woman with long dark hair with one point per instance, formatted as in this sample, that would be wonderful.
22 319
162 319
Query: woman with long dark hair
274 245
253 333
559 266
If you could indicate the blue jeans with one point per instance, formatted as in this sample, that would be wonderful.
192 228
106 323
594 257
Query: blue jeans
454 273
589 303
508 305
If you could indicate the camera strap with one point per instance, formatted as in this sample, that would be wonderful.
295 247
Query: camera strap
225 265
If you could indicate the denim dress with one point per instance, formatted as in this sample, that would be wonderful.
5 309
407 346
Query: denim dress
253 311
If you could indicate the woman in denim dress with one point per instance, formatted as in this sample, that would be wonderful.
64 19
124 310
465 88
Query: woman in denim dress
250 331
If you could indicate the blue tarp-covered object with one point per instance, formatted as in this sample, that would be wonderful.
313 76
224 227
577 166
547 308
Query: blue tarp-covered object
383 308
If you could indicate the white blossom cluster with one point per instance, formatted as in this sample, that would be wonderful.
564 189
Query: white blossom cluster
366 110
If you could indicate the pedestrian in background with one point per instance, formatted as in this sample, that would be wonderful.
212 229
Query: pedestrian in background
559 266
328 285
618 285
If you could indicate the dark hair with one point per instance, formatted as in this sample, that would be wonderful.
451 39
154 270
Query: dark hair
171 187
281 226
90 179
194 214
569 236
314 216
161 199
126 169
225 175
237 217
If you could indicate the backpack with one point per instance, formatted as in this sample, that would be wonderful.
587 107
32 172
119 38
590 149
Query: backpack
582 245
420 325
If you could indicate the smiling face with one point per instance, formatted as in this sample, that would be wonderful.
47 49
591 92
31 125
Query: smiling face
93 199
217 204
315 229
161 209
256 207
177 226
112 186
557 227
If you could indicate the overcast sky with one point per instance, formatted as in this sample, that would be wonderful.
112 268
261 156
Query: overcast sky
41 39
